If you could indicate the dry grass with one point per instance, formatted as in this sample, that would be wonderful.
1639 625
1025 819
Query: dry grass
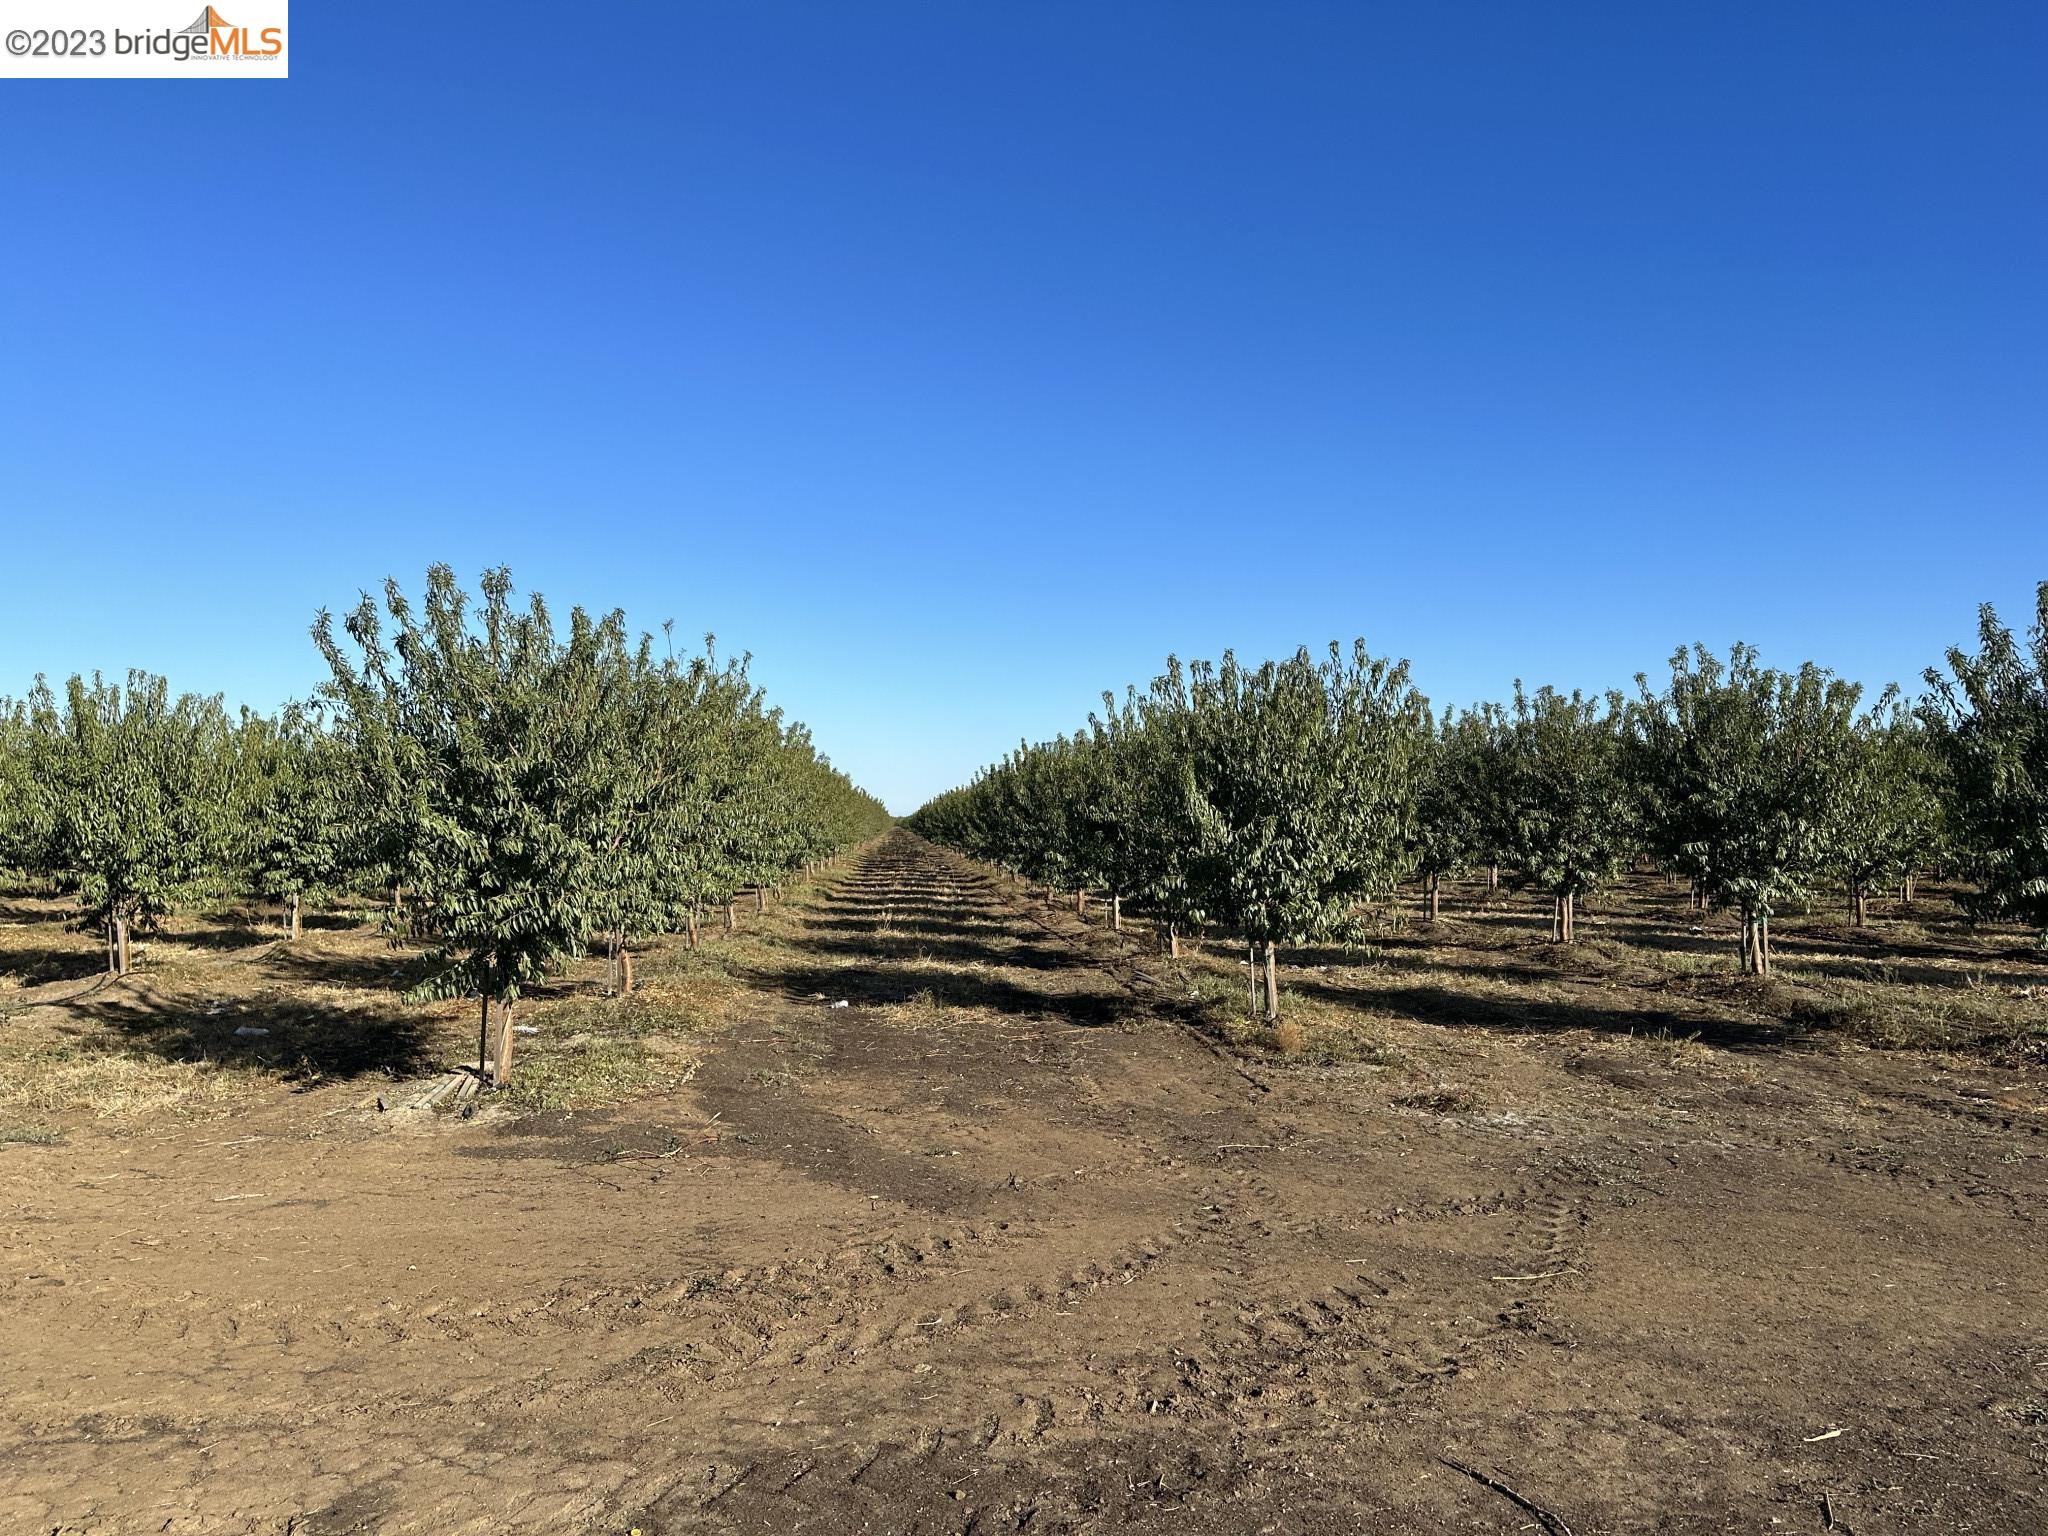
1287 1037
595 1051
92 1074
325 1009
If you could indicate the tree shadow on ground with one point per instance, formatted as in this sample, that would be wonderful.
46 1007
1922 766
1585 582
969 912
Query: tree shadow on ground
886 985
39 965
1878 970
1882 947
307 1042
910 944
226 930
391 970
949 922
1444 1007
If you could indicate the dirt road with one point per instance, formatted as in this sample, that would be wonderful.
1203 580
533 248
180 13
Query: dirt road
1001 1246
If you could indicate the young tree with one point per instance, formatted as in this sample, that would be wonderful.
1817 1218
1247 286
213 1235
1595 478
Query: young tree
27 809
299 826
1989 714
1569 814
138 788
1304 783
494 730
1750 771
1446 834
1890 807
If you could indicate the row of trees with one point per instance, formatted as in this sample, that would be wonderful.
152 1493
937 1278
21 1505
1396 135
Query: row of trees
1276 800
525 793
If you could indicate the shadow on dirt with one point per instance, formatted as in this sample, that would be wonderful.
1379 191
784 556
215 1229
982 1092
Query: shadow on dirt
1445 1008
887 985
384 969
305 1041
42 964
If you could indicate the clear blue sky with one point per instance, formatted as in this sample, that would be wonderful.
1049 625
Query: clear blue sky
961 360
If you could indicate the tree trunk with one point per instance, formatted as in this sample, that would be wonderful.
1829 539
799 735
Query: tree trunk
113 957
1568 906
1906 891
625 971
292 925
1081 902
501 1065
1435 892
1557 919
1116 914
1756 944
398 900
760 899
728 917
1173 941
611 964
690 927
1859 904
483 1041
120 946
1272 983
1492 878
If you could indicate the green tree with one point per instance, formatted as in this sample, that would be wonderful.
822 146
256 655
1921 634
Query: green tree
27 808
1448 831
1304 777
1890 813
491 729
1568 820
138 787
1989 713
1749 768
300 827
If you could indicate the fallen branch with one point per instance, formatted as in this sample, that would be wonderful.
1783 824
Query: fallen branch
1549 1519
1548 1274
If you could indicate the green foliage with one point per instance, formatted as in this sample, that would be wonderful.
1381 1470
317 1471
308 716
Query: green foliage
491 732
1304 785
1273 798
1989 715
1453 826
135 792
298 828
27 805
1744 770
1566 810
1890 821
535 789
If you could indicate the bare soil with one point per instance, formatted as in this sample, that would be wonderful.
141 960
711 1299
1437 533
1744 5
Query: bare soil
1009 1243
